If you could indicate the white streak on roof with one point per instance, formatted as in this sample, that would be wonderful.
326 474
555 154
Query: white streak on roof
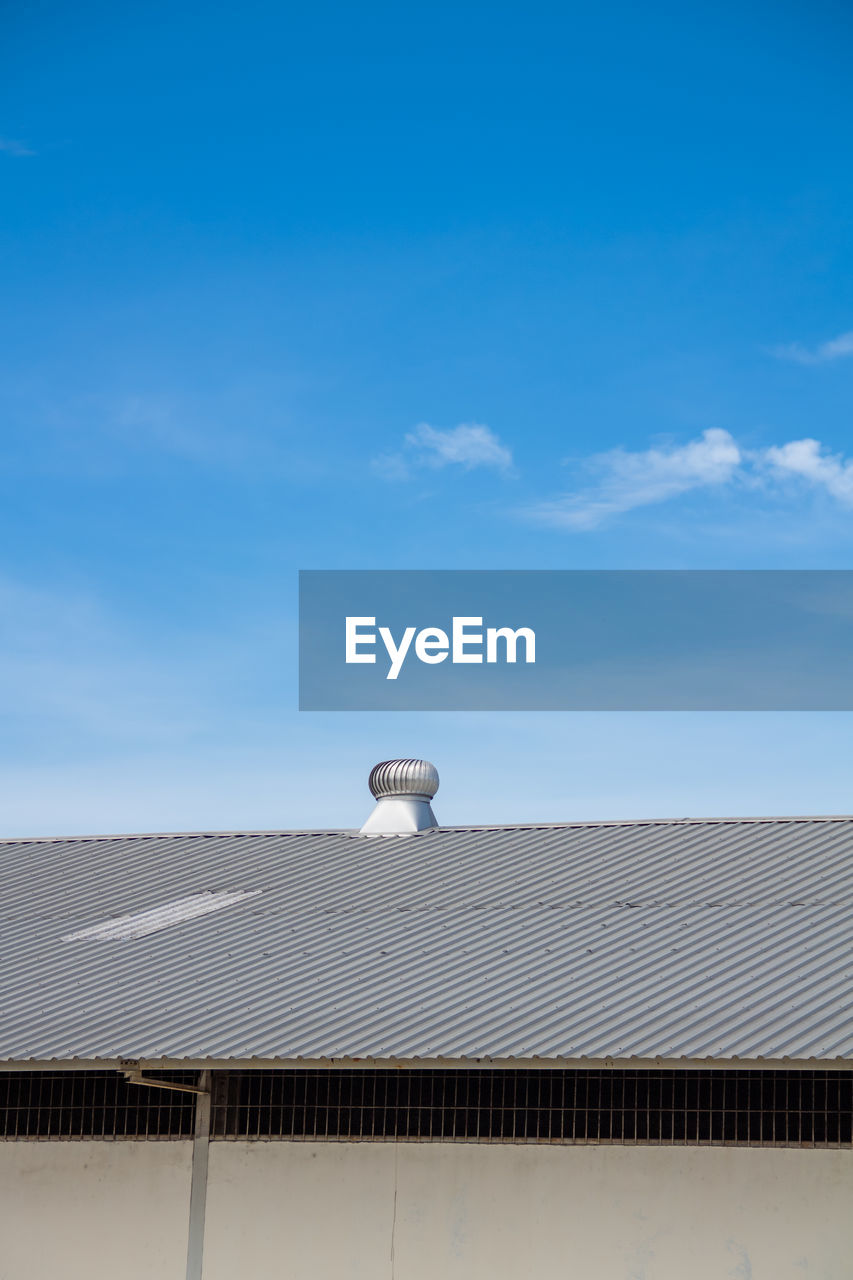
156 918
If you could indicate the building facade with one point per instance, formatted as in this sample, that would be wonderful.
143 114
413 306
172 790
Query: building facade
588 1050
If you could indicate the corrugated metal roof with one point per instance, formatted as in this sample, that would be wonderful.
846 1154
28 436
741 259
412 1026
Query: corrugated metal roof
683 940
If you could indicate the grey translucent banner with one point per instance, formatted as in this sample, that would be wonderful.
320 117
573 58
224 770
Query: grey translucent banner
575 640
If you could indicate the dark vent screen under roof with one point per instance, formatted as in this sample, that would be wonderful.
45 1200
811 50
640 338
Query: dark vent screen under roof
732 1107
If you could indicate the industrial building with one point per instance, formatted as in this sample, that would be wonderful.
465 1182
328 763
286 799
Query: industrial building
592 1051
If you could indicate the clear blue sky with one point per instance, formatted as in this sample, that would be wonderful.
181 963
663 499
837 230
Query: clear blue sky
404 286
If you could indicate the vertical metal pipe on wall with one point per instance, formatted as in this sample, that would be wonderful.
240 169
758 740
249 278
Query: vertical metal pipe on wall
198 1187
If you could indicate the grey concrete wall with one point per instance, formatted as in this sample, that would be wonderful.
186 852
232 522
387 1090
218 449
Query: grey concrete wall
340 1211
94 1210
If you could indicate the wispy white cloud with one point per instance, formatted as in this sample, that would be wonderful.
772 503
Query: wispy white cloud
155 423
810 461
623 480
469 446
835 349
106 434
14 147
392 467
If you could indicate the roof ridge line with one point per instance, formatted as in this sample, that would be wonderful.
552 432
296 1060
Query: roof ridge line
487 826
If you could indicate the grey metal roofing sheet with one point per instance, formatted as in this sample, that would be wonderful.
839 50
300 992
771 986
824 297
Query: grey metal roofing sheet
727 939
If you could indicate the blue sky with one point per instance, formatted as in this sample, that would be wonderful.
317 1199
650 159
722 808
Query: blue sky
404 286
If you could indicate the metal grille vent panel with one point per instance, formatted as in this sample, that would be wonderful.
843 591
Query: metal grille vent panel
94 1105
764 1108
726 1108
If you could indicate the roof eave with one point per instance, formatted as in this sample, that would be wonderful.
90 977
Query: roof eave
443 1064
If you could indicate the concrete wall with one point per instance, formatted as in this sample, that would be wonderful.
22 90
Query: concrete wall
94 1210
347 1211
340 1211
